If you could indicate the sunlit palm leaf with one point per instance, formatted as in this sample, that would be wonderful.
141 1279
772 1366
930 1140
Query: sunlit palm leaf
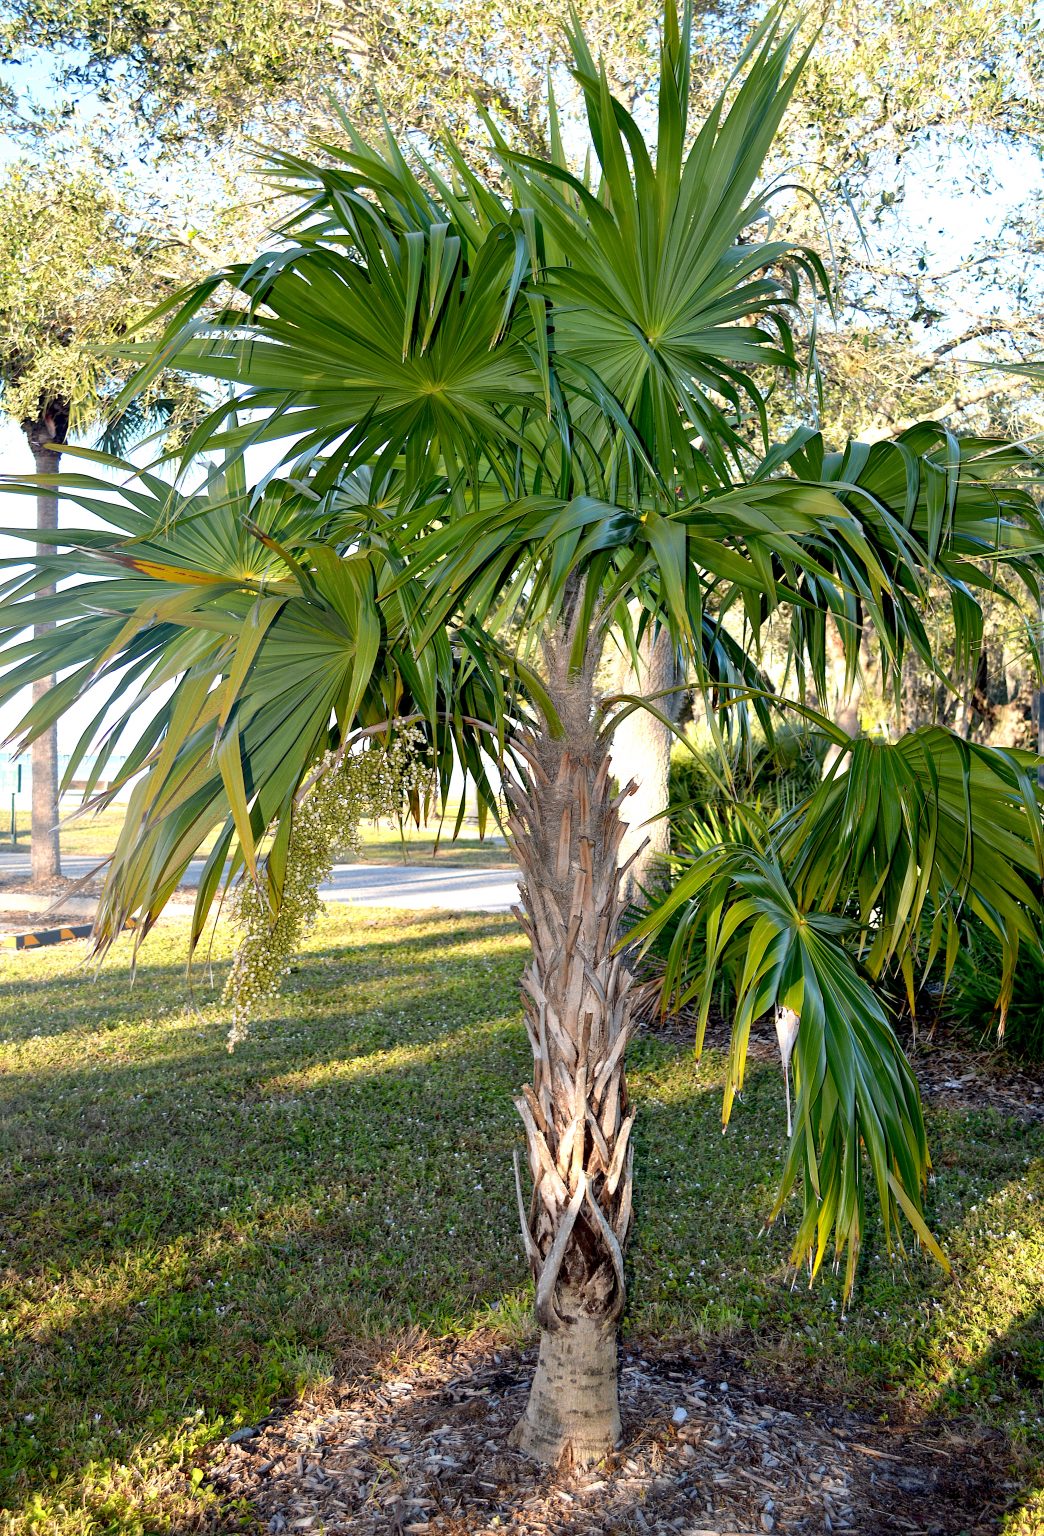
275 645
908 837
856 1093
495 411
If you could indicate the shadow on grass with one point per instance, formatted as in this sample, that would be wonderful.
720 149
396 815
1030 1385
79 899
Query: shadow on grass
99 990
1009 1371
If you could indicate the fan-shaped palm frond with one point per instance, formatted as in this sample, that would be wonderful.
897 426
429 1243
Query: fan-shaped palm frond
875 865
136 420
235 638
944 514
660 288
517 419
906 837
589 333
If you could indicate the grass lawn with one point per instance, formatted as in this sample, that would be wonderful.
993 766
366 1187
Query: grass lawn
187 1235
383 843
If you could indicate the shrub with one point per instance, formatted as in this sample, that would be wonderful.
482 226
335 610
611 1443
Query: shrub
773 776
970 1000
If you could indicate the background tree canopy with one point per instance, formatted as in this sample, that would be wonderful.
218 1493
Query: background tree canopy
900 108
78 270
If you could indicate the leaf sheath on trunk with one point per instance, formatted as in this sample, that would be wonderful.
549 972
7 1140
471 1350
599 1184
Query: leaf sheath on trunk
567 830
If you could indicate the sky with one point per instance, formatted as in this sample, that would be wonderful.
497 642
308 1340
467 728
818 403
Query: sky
950 216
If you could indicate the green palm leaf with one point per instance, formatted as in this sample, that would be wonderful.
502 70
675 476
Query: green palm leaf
910 837
856 1094
879 863
278 650
533 408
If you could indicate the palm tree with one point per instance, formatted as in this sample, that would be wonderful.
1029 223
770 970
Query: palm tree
45 434
522 423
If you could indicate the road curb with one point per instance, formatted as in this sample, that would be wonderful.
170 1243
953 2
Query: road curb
44 937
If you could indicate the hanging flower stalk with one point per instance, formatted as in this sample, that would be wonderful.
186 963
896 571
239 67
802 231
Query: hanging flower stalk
345 791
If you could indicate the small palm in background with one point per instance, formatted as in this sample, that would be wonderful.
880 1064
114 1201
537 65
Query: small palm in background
767 801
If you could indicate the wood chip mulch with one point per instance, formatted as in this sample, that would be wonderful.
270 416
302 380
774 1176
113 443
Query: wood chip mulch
964 1079
421 1451
949 1071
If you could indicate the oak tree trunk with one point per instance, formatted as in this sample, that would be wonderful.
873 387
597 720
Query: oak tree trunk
642 752
567 831
45 859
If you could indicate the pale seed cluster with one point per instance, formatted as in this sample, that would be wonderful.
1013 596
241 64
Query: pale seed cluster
372 783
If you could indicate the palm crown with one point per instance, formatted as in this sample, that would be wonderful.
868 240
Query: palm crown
518 420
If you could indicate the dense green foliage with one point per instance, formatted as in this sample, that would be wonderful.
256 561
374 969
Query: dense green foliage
771 773
77 271
976 978
970 998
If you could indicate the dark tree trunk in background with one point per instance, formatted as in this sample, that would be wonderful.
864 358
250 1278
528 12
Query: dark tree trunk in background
45 437
566 831
642 752
976 712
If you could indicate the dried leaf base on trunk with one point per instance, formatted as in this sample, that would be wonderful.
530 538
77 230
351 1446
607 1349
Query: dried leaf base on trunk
567 832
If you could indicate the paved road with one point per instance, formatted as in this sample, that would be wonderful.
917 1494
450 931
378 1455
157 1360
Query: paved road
375 885
422 885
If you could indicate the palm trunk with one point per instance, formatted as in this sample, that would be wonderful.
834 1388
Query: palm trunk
567 833
45 859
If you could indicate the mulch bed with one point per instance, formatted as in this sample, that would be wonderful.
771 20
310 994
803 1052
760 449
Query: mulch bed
950 1074
707 1450
949 1071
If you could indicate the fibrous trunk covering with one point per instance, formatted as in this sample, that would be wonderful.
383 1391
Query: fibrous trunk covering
567 832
